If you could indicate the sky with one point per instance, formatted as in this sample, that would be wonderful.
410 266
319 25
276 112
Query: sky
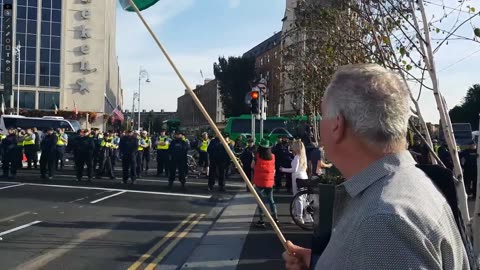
197 32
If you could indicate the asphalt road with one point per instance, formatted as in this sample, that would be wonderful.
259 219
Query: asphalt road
61 224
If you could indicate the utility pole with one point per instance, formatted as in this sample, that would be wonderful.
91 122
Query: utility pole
141 75
17 51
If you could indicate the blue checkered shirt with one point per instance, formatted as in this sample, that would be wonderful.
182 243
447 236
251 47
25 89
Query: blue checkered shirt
391 216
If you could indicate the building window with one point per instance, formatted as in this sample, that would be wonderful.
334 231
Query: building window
261 61
48 100
268 58
275 55
27 99
50 43
26 30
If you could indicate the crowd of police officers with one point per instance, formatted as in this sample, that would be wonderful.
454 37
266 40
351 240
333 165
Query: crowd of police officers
95 154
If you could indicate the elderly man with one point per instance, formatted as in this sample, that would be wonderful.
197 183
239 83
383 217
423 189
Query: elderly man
388 214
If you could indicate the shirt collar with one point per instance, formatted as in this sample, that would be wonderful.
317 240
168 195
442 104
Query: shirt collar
376 171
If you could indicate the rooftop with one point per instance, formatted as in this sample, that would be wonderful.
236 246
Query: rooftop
266 45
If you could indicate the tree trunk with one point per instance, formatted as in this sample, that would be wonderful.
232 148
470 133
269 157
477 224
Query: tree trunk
444 117
476 216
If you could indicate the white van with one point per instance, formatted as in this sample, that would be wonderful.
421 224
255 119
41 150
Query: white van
18 121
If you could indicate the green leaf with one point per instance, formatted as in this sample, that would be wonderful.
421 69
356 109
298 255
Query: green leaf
404 62
403 51
472 9
409 67
437 30
477 32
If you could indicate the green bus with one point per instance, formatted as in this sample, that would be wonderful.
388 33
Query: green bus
272 127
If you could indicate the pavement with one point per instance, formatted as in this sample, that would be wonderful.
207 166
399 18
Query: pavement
62 224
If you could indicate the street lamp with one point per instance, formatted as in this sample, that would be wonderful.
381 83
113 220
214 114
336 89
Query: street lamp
143 74
17 53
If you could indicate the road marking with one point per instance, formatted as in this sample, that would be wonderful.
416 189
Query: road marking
188 183
41 261
117 189
174 243
19 228
108 197
167 237
14 217
12 186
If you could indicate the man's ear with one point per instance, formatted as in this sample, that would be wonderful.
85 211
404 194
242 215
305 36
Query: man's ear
338 127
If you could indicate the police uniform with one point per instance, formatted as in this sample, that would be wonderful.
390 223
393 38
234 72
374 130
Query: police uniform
146 153
2 137
139 156
30 149
128 149
84 148
61 146
163 143
203 160
106 153
19 150
178 151
49 155
97 139
9 164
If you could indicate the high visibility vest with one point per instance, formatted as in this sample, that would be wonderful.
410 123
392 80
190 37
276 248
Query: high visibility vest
59 141
140 147
204 146
103 143
20 141
436 147
163 147
2 137
28 140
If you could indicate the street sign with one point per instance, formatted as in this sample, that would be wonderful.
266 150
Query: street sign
7 49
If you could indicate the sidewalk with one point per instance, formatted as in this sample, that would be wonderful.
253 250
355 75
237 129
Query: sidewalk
234 243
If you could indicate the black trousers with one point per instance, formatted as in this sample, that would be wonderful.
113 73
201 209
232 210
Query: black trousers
105 167
162 161
47 163
139 165
146 159
218 169
31 154
179 165
129 166
60 156
9 164
82 159
19 154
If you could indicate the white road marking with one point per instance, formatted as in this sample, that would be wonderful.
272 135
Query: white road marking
127 190
12 186
188 183
14 217
19 228
108 197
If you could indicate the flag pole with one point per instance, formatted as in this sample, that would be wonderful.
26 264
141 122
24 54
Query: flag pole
215 129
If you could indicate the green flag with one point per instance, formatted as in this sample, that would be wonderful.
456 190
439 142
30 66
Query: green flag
141 4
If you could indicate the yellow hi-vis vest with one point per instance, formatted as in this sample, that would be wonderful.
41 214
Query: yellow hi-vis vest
204 146
140 147
60 142
20 141
163 147
28 140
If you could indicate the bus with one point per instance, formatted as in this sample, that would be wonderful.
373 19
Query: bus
273 127
41 123
462 133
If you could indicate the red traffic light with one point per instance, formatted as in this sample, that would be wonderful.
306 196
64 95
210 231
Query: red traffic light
254 94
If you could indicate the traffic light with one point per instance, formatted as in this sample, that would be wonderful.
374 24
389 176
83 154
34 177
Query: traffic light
255 102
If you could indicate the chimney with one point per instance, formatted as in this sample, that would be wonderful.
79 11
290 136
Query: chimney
144 111
162 110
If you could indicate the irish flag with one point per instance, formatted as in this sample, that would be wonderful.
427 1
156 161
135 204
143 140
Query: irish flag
141 4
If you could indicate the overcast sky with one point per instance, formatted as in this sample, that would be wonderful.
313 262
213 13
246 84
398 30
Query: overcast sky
197 32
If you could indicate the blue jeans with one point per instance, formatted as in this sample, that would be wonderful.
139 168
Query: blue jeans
267 196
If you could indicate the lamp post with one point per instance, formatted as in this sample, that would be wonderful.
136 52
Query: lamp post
17 52
143 74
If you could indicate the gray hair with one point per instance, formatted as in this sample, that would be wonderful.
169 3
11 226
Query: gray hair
373 101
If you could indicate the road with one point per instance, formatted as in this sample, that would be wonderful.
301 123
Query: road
62 224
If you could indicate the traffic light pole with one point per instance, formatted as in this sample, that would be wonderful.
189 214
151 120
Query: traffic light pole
253 127
261 113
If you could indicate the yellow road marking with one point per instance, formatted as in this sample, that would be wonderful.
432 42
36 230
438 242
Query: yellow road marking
167 250
149 253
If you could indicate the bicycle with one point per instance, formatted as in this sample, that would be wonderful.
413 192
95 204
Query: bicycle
307 199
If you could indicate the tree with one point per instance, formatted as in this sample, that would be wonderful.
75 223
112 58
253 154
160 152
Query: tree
234 76
468 111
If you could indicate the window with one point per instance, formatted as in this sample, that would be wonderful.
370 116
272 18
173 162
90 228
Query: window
26 34
48 100
268 58
275 55
50 43
27 99
261 62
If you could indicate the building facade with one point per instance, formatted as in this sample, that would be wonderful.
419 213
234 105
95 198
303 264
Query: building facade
267 66
68 56
188 113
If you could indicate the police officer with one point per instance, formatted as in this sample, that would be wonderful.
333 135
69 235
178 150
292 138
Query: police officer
2 137
116 145
19 148
9 145
146 151
106 153
163 143
30 147
83 151
128 150
219 161
37 147
468 158
283 158
61 146
203 160
97 139
49 154
141 146
178 151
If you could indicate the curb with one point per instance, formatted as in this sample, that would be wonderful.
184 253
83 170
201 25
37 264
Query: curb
222 246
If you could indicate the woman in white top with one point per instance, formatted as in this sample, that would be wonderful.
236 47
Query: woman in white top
298 171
